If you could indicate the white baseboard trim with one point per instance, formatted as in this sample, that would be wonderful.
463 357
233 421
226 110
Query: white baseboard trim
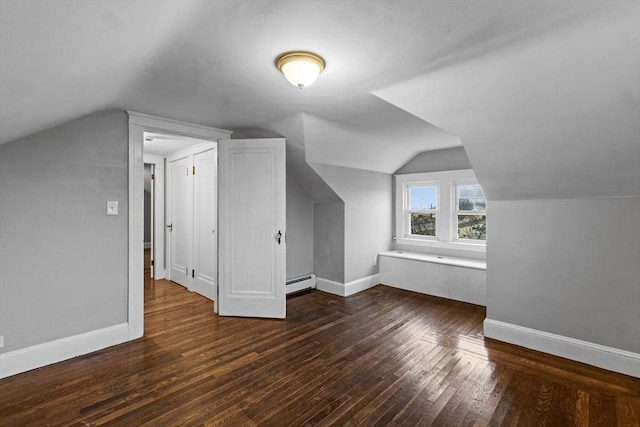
330 286
159 274
360 285
26 359
609 358
349 288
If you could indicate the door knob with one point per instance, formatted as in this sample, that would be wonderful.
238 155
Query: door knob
170 227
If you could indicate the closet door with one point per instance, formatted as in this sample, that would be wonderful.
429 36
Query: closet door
252 228
180 219
205 216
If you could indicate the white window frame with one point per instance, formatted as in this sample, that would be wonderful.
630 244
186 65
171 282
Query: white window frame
446 215
407 211
456 211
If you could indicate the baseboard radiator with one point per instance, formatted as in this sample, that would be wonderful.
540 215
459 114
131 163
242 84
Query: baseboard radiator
301 284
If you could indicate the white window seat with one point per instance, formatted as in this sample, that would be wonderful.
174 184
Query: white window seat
460 279
438 259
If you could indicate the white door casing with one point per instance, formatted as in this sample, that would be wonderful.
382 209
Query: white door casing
252 223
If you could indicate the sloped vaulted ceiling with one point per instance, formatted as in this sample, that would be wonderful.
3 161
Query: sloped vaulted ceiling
555 114
522 85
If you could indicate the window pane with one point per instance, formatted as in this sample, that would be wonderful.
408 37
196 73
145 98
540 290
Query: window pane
423 198
429 204
466 191
429 193
465 204
423 224
472 227
415 193
471 198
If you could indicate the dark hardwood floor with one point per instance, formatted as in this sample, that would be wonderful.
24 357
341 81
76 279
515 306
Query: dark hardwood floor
381 357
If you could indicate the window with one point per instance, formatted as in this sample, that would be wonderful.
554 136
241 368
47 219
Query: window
422 208
471 212
442 209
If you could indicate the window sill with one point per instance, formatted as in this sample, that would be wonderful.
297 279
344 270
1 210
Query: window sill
436 244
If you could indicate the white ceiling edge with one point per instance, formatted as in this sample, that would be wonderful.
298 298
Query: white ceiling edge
379 150
392 138
385 148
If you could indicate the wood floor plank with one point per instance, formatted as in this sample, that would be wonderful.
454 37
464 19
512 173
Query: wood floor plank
383 357
602 410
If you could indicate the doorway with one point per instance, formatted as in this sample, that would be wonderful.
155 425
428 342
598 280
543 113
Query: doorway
181 176
245 162
139 124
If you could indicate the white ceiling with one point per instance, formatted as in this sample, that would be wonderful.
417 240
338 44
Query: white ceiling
554 115
501 78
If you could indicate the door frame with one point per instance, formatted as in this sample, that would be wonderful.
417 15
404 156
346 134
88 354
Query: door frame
138 124
157 215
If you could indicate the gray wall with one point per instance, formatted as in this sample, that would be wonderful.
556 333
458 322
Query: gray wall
299 231
328 242
367 197
63 262
569 267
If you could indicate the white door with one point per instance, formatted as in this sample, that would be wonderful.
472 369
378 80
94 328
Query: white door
205 217
252 228
179 219
152 221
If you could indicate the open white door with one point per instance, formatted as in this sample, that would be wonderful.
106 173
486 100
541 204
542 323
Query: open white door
205 218
179 219
152 224
252 228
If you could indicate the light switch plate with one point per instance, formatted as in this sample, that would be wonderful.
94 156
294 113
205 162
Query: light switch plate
112 207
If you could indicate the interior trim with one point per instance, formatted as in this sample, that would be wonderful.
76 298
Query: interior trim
612 359
26 359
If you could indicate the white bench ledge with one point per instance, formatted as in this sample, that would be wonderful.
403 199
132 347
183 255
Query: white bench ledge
438 259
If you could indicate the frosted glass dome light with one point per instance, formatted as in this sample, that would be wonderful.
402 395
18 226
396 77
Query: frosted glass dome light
300 68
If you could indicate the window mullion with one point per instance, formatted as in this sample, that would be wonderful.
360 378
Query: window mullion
444 222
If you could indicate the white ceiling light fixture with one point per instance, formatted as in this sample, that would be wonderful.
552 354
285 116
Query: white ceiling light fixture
300 68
